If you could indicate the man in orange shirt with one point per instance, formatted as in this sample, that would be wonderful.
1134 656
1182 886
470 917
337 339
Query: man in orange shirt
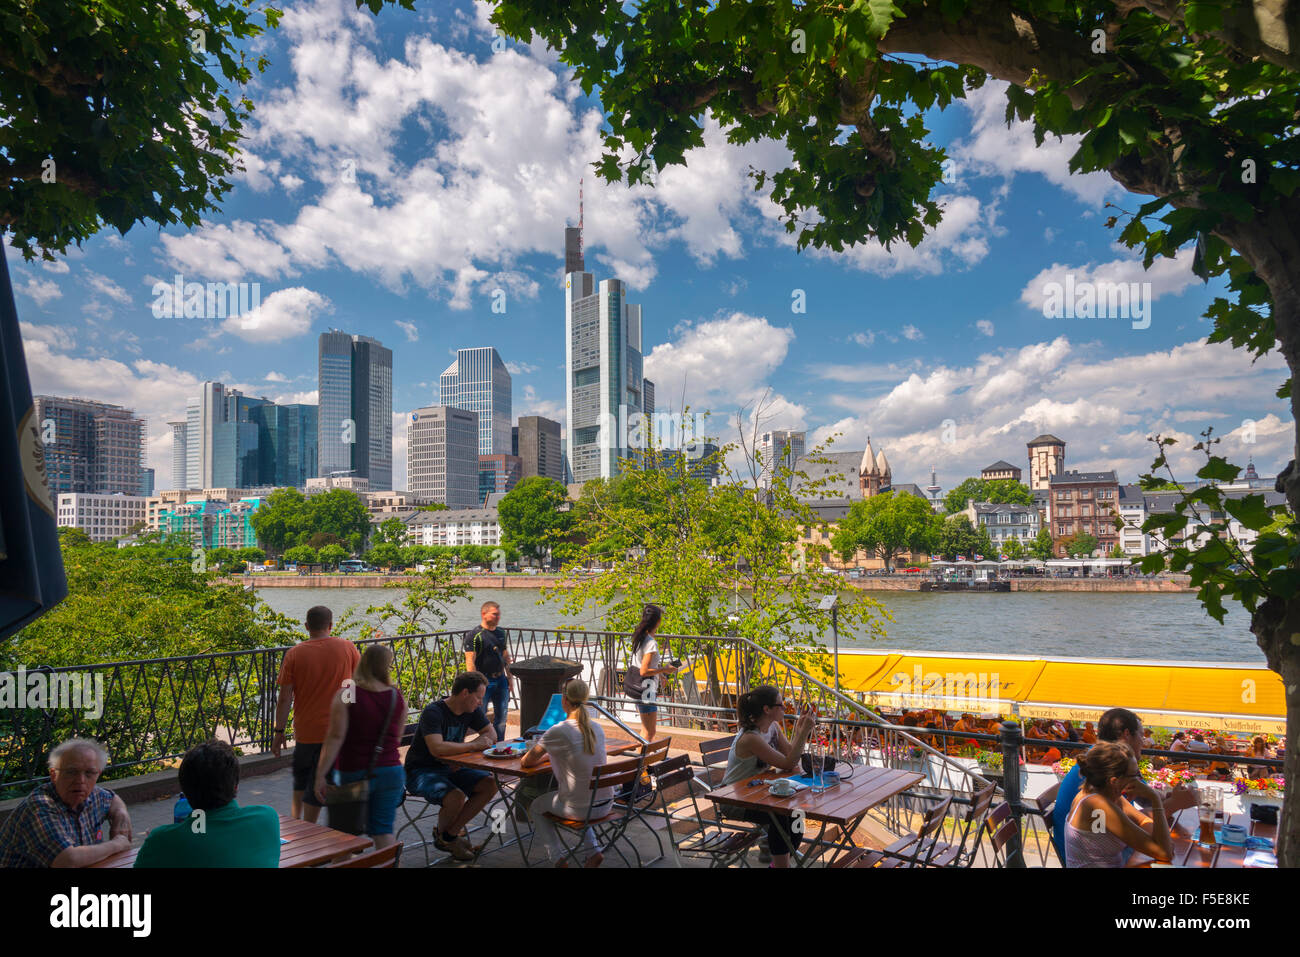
312 673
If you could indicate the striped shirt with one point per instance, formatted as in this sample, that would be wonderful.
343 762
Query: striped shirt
42 827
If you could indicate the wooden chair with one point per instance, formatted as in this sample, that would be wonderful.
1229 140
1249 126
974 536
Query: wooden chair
713 753
992 821
642 802
388 857
722 844
1047 807
914 850
608 821
956 855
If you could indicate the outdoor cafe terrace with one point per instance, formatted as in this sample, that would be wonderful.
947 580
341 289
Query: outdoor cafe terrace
900 796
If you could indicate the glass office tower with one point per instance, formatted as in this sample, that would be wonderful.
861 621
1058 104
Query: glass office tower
478 382
355 429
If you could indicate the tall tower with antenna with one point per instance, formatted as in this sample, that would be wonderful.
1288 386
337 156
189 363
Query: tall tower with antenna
933 489
573 258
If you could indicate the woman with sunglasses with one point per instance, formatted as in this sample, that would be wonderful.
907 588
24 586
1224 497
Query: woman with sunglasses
759 745
1102 825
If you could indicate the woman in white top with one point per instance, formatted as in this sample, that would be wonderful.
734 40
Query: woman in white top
645 651
575 746
761 745
1101 824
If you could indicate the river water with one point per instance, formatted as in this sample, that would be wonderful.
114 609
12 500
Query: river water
1171 627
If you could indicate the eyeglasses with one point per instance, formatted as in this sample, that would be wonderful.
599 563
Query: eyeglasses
78 773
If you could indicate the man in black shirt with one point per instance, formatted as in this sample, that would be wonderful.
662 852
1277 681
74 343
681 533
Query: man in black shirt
486 653
462 792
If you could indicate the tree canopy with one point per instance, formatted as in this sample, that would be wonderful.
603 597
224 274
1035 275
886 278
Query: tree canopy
885 525
987 490
119 114
533 516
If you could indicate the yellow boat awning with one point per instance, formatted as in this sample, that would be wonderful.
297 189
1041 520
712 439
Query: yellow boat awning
1219 696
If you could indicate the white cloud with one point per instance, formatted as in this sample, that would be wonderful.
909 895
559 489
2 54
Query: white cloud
911 333
993 149
102 285
58 266
1166 277
725 358
283 314
275 377
56 337
960 240
412 333
520 368
985 327
230 253
863 338
40 291
532 404
1104 409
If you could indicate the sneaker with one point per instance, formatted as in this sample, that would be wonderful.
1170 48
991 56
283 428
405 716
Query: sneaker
458 848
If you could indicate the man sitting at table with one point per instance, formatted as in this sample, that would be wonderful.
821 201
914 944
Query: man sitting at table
61 823
218 832
462 792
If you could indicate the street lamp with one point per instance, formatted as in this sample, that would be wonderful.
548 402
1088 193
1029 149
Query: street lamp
831 603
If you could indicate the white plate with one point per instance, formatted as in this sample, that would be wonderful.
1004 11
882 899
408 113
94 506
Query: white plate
512 753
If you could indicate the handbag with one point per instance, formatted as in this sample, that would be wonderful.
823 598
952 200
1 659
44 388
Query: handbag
349 804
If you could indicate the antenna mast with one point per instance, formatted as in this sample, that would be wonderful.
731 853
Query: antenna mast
580 217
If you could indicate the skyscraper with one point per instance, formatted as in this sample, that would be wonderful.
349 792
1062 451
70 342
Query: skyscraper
603 361
442 456
230 440
356 408
479 382
90 446
539 447
179 432
776 449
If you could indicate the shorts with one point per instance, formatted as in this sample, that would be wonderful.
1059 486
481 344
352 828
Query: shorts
305 758
782 838
645 707
434 785
385 794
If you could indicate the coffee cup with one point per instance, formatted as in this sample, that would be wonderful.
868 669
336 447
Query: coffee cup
782 788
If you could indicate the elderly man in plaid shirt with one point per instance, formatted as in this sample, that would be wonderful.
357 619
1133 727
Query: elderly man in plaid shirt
61 823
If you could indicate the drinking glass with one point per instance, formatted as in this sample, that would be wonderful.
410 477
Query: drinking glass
1209 803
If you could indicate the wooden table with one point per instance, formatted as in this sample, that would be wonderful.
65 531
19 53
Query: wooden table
844 805
1189 853
512 767
307 845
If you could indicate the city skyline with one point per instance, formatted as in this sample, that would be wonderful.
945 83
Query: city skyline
950 333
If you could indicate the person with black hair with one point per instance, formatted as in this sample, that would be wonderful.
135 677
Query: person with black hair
644 668
218 832
760 744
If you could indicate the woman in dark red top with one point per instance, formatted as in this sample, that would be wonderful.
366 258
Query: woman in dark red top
357 716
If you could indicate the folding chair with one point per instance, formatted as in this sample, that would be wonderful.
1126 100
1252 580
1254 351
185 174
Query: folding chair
641 802
424 807
722 844
914 850
607 821
956 855
713 753
388 857
1047 808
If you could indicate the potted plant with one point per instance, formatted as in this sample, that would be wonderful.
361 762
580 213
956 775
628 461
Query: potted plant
1062 767
990 761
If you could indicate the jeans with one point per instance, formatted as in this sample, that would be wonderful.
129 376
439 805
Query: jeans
498 693
385 794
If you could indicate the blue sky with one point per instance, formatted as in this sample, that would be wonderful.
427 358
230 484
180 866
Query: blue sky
399 170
